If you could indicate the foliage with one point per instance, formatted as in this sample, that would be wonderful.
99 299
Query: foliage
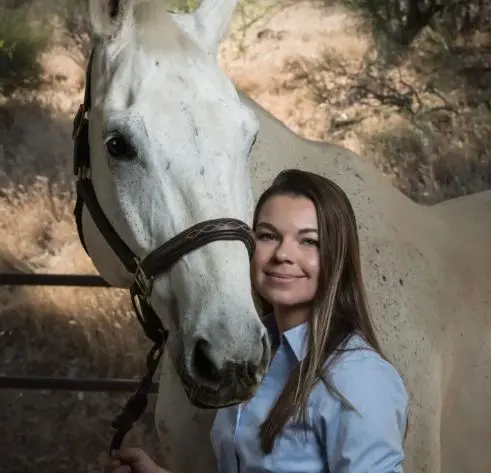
183 6
21 44
401 21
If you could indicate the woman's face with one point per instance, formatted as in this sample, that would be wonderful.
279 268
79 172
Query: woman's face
285 266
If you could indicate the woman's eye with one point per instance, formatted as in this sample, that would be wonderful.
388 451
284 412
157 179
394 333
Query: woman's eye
265 236
310 242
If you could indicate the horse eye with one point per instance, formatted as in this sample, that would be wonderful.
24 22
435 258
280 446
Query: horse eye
119 148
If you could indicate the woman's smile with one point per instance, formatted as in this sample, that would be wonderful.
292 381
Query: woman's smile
280 278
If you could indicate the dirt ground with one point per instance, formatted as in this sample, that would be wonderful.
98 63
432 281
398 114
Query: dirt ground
79 332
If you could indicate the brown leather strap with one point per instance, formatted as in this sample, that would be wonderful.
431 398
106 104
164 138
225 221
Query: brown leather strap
220 229
85 191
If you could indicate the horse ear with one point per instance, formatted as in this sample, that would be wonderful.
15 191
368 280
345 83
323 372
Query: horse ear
213 17
109 17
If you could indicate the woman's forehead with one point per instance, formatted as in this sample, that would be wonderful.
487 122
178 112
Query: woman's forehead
289 212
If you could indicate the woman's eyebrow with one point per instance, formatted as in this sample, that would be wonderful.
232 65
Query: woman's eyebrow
308 230
302 231
267 225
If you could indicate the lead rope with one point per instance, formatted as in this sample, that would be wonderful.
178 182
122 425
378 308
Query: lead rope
137 403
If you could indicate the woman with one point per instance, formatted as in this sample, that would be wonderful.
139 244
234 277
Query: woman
330 401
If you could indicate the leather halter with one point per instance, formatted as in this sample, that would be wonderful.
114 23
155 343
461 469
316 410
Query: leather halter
158 262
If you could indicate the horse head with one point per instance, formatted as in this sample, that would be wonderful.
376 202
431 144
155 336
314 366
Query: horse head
164 175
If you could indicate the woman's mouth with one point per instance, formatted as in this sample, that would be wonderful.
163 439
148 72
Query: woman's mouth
280 277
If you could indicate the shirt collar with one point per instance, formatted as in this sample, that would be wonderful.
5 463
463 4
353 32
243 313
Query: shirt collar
295 338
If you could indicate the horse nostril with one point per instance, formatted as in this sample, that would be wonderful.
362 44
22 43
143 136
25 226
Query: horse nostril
202 364
251 371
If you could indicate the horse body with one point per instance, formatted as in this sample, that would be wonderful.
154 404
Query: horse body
430 297
428 281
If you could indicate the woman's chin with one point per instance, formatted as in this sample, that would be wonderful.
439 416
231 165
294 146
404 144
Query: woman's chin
283 302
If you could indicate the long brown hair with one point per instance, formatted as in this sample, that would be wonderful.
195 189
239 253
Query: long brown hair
340 306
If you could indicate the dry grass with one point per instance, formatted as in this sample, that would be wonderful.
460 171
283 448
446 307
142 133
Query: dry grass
299 33
57 333
447 156
424 122
304 66
74 332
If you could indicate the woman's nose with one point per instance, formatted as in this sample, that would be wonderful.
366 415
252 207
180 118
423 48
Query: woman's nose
284 252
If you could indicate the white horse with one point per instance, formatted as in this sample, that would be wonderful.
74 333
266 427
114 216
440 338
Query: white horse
170 142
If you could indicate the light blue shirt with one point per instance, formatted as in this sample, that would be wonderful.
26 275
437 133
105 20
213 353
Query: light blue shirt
339 440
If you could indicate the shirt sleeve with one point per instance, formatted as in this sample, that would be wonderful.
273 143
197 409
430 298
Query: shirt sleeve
370 438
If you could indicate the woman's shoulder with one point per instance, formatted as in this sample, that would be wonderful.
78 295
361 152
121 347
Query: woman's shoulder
357 355
362 419
361 366
361 376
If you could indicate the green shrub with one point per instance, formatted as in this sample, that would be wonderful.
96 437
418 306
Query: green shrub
21 44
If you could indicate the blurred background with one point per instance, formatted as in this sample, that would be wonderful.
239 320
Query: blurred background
405 83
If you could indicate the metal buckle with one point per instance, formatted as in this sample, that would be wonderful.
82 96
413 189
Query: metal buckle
143 282
84 173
